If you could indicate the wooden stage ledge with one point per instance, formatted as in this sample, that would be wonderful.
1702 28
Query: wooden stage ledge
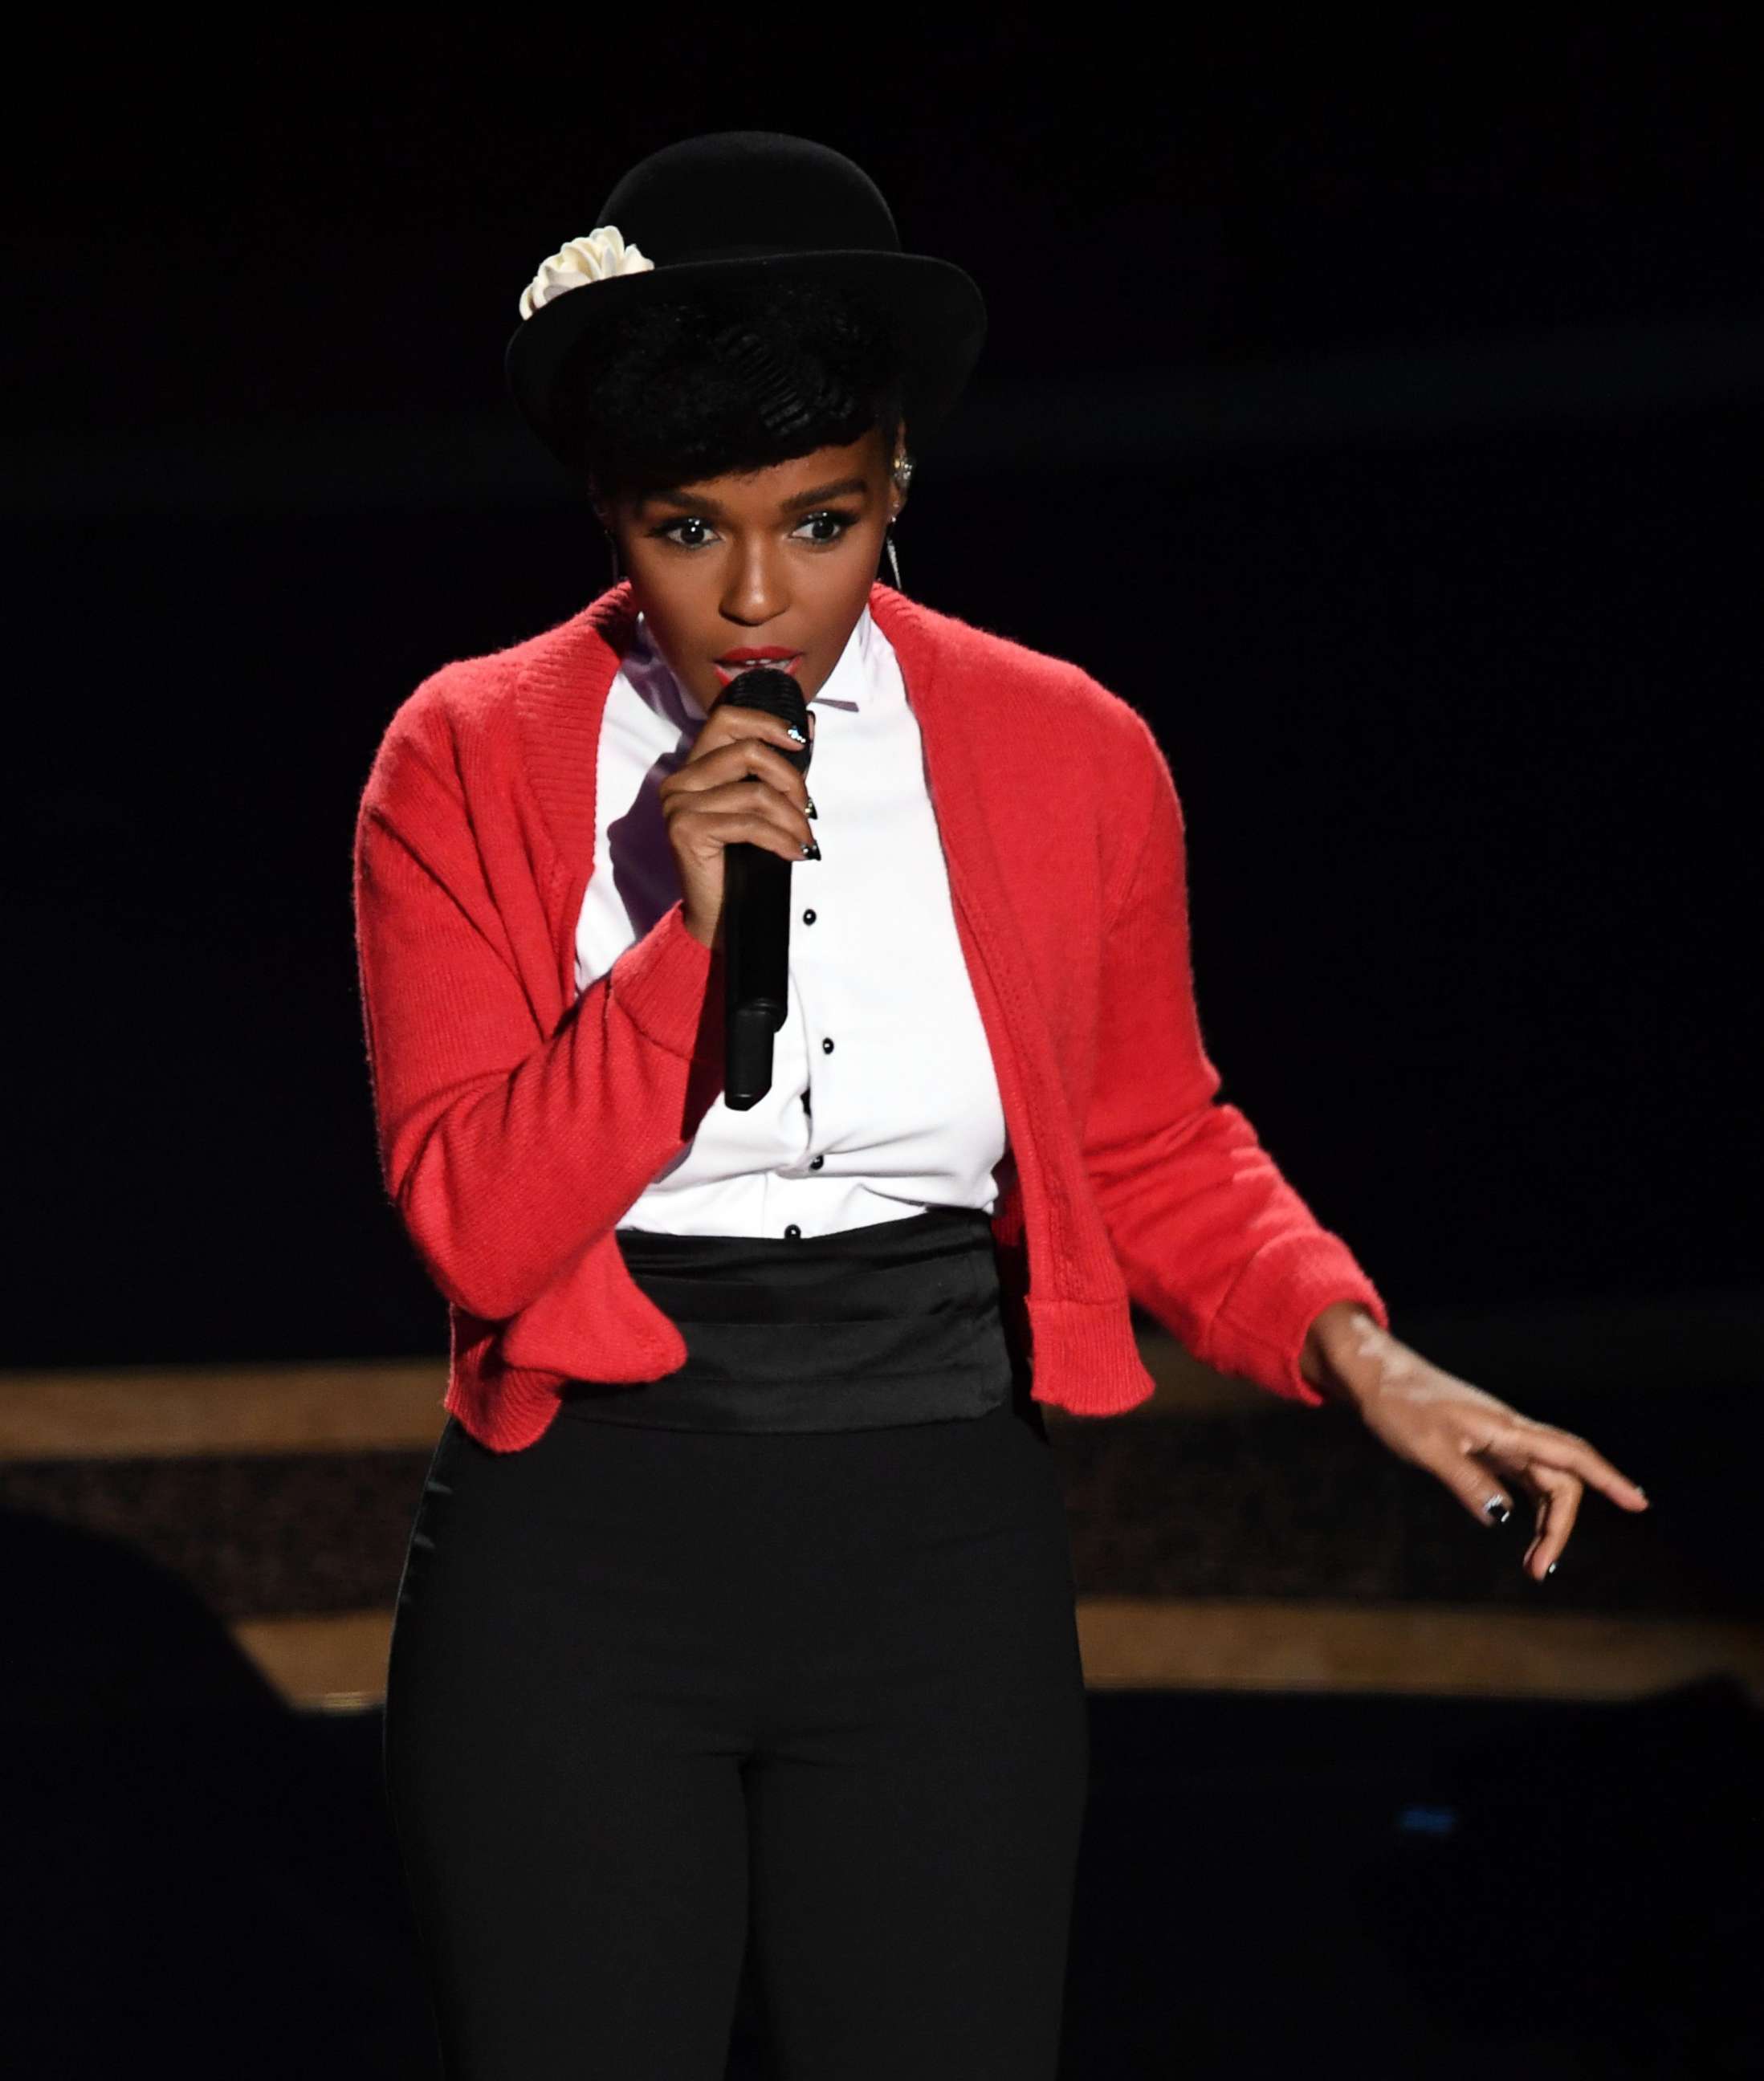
338 1662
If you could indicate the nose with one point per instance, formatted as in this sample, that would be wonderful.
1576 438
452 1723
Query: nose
757 591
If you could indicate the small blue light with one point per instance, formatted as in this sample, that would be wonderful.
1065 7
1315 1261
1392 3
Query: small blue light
1428 1820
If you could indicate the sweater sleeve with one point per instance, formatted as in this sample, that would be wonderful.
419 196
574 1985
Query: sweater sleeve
1211 1239
506 1151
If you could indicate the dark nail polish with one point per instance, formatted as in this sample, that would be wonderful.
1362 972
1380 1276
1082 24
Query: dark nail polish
1550 1570
1497 1510
794 731
813 811
811 851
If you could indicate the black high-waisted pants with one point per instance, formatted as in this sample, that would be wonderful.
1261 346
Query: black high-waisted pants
658 1691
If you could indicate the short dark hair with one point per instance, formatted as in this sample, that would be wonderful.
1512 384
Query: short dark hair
731 378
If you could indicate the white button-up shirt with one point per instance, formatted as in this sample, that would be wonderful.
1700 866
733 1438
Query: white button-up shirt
883 1099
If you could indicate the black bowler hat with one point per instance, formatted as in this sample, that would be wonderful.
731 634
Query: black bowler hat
740 203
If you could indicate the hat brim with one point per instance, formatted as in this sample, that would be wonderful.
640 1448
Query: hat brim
937 305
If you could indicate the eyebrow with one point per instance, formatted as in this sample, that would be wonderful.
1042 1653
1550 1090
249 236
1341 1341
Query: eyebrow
678 497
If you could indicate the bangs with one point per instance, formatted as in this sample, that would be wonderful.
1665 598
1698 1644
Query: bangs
727 380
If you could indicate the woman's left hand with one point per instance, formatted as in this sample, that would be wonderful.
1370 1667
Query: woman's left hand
1478 1446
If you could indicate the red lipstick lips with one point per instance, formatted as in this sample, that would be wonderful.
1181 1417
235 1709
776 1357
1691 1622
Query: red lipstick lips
734 662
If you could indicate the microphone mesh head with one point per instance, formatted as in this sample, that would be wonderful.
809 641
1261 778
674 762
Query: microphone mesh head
774 693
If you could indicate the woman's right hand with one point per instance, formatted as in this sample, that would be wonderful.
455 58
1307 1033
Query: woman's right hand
737 785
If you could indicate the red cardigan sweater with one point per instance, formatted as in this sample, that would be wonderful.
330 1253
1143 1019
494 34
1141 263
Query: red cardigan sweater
517 1121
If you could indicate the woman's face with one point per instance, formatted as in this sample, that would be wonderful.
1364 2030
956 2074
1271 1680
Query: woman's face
784 557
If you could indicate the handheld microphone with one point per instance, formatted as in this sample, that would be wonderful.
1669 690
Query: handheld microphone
756 913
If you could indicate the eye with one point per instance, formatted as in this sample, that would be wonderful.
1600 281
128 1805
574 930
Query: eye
666 530
840 522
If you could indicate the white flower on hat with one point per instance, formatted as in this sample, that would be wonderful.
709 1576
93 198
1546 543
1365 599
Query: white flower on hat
603 254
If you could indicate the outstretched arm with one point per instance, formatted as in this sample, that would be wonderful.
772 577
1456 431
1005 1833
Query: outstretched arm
1216 1244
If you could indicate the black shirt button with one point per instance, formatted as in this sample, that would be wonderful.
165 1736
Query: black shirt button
793 1230
827 1047
816 1162
808 917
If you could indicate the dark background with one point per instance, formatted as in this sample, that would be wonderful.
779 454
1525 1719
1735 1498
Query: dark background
1376 408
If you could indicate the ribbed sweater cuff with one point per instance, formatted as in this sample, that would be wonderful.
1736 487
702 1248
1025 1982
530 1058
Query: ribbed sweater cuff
659 982
1260 1332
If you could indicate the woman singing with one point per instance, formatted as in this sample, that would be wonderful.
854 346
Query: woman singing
738 1605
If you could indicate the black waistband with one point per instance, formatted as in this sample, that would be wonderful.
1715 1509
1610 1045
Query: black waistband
896 1322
